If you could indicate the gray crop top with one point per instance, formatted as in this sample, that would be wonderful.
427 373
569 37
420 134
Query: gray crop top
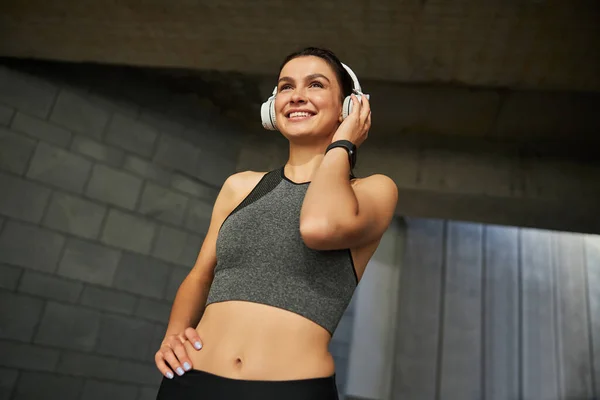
262 258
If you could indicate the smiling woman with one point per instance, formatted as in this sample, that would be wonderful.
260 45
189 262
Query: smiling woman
284 251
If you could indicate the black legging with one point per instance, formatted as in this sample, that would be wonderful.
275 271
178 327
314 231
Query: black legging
200 385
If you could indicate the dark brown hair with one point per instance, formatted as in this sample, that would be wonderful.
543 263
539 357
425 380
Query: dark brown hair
343 77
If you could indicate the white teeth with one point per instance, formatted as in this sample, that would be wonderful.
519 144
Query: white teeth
300 114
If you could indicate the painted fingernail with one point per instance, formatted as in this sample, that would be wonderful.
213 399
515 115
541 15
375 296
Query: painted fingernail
179 371
187 366
170 375
198 345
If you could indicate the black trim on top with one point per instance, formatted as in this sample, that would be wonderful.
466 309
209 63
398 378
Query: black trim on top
289 180
352 264
351 177
263 187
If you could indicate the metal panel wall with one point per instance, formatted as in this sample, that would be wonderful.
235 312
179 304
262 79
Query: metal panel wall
494 312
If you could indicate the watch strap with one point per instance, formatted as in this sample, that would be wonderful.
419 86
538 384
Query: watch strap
350 148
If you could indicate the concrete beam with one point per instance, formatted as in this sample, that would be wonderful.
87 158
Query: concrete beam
549 45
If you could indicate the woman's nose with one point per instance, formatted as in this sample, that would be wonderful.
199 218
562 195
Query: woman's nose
298 96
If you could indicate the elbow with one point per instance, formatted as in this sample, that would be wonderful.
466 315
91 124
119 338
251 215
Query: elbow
318 234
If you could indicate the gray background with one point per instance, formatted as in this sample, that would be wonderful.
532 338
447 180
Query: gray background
103 208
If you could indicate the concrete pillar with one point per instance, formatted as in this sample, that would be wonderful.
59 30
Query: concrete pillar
371 354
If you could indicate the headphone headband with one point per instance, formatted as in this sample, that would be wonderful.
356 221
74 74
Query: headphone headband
354 78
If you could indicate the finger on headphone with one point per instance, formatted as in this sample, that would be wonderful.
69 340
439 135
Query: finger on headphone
365 110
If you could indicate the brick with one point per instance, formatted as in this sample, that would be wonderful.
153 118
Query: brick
195 188
125 337
79 115
102 367
15 151
129 232
92 366
41 129
176 277
18 316
177 246
153 310
216 138
8 380
163 204
59 168
147 170
161 122
142 275
28 356
148 393
6 115
114 187
198 216
159 334
98 151
113 105
177 154
9 276
22 199
131 135
108 300
40 385
26 93
29 246
465 173
214 169
98 390
146 374
68 326
74 215
50 287
89 262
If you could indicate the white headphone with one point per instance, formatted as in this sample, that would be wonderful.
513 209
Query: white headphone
267 110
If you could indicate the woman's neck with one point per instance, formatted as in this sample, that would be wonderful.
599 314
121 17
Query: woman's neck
304 160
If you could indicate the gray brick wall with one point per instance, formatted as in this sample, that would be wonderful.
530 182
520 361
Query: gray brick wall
103 209
105 200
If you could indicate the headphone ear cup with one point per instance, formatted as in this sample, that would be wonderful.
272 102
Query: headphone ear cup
347 107
267 114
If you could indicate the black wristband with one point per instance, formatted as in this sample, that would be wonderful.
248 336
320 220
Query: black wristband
350 148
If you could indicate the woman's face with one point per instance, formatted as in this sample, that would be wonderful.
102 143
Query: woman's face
308 101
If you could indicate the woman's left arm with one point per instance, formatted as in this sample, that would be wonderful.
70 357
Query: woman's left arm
336 214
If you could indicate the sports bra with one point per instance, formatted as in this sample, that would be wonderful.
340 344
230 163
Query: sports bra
262 258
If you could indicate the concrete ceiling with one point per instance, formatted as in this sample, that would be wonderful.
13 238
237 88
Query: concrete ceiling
516 70
524 44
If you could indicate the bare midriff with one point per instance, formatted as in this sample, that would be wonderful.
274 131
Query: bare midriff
251 341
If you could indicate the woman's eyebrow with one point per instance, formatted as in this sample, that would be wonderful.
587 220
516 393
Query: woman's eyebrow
308 78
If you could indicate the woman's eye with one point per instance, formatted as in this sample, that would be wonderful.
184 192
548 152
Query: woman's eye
284 87
316 84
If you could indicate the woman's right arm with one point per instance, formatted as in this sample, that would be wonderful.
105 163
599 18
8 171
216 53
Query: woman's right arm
191 296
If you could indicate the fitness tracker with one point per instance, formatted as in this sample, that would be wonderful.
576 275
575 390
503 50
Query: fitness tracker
350 148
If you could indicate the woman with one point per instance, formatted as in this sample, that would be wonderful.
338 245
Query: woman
283 254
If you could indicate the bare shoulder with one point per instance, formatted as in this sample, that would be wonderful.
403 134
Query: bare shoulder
238 186
242 182
379 193
376 183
